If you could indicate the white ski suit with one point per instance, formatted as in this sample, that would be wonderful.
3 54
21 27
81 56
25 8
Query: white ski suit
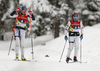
74 29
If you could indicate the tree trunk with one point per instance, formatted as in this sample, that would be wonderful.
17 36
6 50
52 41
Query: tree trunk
57 23
56 26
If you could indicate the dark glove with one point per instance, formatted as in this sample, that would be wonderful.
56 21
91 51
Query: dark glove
65 38
81 36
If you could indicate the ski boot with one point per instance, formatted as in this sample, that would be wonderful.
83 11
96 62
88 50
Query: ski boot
16 58
23 58
75 59
67 59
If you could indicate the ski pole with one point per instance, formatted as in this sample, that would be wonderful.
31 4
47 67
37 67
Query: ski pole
12 35
62 52
31 37
80 51
81 47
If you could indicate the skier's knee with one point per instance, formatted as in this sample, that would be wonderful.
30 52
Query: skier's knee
17 45
77 48
70 49
22 46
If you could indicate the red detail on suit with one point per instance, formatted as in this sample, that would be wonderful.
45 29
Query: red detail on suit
75 23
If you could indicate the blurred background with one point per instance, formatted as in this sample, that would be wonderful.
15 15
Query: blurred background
51 15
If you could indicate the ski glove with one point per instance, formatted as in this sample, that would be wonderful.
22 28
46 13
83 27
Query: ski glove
65 38
30 11
18 9
81 36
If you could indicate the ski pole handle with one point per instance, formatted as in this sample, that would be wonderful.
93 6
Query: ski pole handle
30 12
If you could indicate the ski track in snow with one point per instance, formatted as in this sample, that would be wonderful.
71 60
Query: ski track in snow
53 48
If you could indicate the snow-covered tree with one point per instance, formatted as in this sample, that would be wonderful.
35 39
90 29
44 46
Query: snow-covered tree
46 13
5 9
88 11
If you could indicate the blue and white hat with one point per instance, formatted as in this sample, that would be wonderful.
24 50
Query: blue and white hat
24 8
75 15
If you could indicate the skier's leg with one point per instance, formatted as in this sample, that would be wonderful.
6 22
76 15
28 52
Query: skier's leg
76 47
22 33
71 43
16 43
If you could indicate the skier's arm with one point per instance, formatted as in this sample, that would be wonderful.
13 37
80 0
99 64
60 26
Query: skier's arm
81 27
32 16
14 12
31 13
67 28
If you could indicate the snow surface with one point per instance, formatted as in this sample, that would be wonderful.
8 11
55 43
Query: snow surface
53 48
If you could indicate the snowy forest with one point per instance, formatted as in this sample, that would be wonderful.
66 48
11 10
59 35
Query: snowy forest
51 15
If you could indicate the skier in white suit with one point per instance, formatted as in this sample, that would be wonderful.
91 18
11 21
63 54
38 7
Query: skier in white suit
20 29
74 29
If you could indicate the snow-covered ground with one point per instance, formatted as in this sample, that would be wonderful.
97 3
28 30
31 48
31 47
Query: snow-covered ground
53 48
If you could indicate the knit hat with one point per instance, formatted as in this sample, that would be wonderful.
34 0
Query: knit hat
75 15
24 8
